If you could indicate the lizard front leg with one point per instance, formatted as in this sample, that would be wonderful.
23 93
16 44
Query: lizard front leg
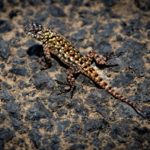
71 72
46 59
45 63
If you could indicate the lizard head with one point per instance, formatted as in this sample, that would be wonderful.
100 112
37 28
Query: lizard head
34 30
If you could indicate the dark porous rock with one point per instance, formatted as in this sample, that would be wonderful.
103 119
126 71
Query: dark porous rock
60 24
36 124
137 65
80 35
55 140
142 134
135 52
103 47
71 104
77 2
107 31
13 2
13 109
41 81
119 38
41 16
146 112
135 145
95 28
74 138
18 61
136 24
109 146
35 137
6 134
86 21
5 85
56 101
6 96
148 34
35 67
17 124
33 2
74 129
37 112
21 53
143 131
96 142
2 117
21 143
144 87
61 112
78 147
132 28
128 31
5 26
1 145
22 71
65 2
55 146
63 125
48 126
120 131
61 78
22 84
56 11
1 5
147 26
51 84
45 143
80 109
4 50
123 79
143 5
109 3
97 97
2 66
95 125
56 22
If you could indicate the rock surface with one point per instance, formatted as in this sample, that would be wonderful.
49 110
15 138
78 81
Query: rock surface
37 112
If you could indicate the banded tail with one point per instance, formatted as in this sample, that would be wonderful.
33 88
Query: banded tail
92 73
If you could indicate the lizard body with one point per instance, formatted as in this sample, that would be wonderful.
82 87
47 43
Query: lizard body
56 44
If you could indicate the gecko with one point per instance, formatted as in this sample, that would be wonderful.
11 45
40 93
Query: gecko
56 44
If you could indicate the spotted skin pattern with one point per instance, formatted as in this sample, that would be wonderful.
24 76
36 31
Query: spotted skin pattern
56 44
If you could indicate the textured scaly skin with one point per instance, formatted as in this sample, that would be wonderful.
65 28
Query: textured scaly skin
56 44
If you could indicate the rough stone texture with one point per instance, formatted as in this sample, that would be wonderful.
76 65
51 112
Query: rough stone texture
6 134
18 71
37 111
4 26
4 49
6 96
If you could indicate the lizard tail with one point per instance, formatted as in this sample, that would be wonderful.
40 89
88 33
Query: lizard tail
112 90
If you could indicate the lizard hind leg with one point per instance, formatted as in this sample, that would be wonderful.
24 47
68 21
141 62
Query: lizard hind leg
99 59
